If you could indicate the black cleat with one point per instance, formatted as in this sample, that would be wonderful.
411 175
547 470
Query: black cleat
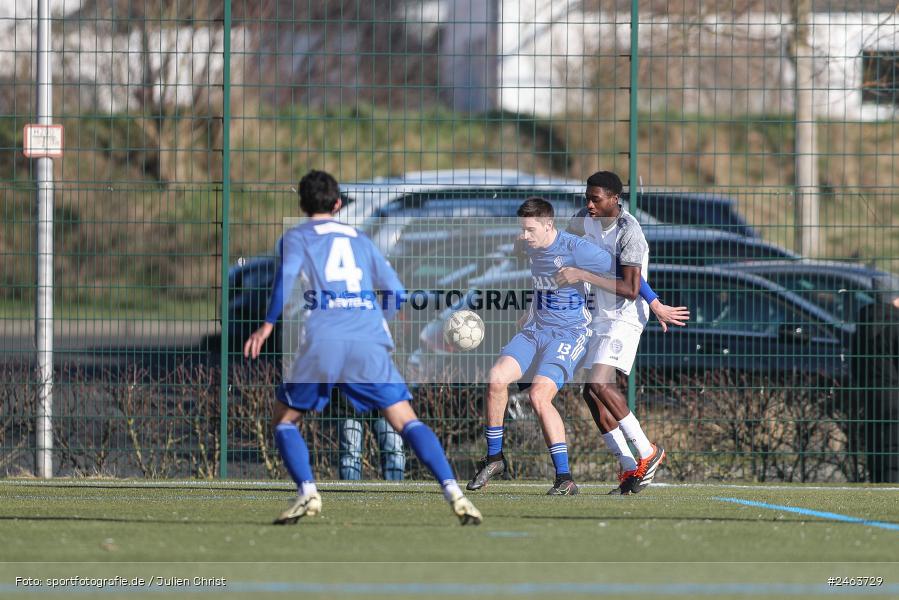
623 489
487 470
563 487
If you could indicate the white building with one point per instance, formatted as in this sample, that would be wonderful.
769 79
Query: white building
541 57
719 64
115 72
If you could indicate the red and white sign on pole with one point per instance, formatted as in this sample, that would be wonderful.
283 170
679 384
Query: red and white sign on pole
43 141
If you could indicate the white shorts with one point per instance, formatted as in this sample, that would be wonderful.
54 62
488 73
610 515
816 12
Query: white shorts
613 343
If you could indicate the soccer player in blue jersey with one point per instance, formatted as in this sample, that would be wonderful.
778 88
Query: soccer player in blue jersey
348 290
552 341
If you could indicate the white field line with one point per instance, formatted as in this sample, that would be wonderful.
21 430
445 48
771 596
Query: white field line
243 484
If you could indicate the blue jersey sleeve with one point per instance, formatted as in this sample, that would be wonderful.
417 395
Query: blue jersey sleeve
276 301
288 269
592 258
387 283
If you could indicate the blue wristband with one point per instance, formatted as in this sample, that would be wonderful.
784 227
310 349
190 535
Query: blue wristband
646 292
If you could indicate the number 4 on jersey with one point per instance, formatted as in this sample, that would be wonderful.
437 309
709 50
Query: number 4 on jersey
341 265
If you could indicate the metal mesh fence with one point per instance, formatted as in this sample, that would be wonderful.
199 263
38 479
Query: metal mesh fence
755 140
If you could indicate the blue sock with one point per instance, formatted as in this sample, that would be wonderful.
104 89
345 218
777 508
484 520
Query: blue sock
494 440
559 454
429 451
294 452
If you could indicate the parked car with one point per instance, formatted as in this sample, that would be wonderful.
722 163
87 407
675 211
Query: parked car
699 246
438 253
739 321
437 228
672 244
249 286
840 288
697 209
376 198
744 322
441 243
696 246
864 300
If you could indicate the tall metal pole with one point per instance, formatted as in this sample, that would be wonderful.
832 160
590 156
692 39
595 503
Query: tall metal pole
633 188
226 240
808 233
44 294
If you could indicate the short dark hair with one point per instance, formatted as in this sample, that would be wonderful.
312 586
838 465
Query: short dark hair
607 181
318 192
535 206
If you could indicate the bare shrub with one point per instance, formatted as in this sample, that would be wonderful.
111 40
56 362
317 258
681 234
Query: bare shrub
717 425
725 425
18 401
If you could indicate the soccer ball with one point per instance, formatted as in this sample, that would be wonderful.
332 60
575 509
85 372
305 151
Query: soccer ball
464 330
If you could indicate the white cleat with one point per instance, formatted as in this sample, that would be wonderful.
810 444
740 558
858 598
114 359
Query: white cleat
466 511
304 505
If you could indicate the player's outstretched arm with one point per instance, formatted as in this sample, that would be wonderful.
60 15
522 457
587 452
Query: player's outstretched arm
288 268
669 315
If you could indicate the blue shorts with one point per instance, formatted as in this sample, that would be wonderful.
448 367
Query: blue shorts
554 353
364 372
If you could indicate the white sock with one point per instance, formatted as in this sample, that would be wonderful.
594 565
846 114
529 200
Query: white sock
308 488
634 434
618 445
451 490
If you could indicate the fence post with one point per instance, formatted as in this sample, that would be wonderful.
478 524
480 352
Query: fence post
43 326
808 233
226 241
633 188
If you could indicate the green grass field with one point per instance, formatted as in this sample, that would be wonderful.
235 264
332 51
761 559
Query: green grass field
385 540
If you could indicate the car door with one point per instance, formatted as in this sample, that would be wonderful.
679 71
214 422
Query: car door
739 326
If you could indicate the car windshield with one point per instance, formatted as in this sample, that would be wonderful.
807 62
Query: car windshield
839 295
359 204
443 252
496 203
696 209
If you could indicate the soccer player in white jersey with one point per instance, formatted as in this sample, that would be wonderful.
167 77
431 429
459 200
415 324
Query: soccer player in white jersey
619 317
349 290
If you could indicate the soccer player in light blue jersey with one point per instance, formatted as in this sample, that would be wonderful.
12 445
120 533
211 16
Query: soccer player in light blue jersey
347 291
552 341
